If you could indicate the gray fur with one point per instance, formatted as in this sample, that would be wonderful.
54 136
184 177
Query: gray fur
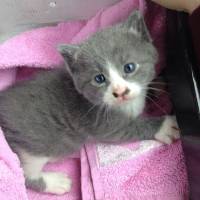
36 184
56 112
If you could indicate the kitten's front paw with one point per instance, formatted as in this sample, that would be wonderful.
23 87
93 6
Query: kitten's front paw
169 131
56 183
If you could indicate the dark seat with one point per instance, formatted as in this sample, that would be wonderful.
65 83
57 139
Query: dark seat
183 77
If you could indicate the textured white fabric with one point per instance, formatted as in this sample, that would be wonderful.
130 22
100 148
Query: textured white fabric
110 154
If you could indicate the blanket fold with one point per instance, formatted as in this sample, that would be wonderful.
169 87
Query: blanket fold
135 171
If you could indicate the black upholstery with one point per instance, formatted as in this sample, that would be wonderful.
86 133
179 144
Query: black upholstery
181 67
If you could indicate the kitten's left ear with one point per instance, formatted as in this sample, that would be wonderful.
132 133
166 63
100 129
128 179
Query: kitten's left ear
68 52
136 24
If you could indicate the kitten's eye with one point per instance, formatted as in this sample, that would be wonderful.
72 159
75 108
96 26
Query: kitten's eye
100 78
129 68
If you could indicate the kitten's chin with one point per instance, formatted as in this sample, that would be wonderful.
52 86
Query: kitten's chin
132 107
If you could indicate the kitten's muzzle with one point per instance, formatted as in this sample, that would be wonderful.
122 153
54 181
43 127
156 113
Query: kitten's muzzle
121 93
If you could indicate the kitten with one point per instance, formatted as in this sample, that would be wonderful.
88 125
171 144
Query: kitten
100 94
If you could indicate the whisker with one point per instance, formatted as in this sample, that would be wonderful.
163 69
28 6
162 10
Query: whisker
98 114
108 118
153 95
155 89
105 115
158 106
90 109
158 83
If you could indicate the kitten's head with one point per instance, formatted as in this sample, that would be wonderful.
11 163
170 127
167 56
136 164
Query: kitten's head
115 65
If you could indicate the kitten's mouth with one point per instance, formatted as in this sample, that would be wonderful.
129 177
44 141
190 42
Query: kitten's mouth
124 99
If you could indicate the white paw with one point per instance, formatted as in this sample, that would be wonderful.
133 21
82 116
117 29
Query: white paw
56 183
169 131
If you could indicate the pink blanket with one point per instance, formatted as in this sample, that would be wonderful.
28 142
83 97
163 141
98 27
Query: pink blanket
136 171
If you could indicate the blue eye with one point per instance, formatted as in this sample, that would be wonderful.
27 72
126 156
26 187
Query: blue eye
129 68
100 78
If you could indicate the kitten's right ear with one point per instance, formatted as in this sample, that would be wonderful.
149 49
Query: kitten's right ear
136 24
68 52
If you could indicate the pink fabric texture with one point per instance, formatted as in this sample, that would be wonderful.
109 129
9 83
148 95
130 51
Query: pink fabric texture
138 171
11 175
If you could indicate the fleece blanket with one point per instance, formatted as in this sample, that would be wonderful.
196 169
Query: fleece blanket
135 171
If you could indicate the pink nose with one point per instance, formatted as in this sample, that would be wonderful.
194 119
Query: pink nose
120 92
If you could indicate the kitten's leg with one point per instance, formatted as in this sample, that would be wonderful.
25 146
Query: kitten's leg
163 129
36 179
169 131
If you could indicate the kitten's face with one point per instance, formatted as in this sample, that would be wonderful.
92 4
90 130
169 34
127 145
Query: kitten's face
114 66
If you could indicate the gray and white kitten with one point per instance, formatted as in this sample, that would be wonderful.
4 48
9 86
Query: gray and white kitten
100 94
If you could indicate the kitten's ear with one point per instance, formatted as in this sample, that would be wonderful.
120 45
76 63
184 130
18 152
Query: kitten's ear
68 52
136 24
